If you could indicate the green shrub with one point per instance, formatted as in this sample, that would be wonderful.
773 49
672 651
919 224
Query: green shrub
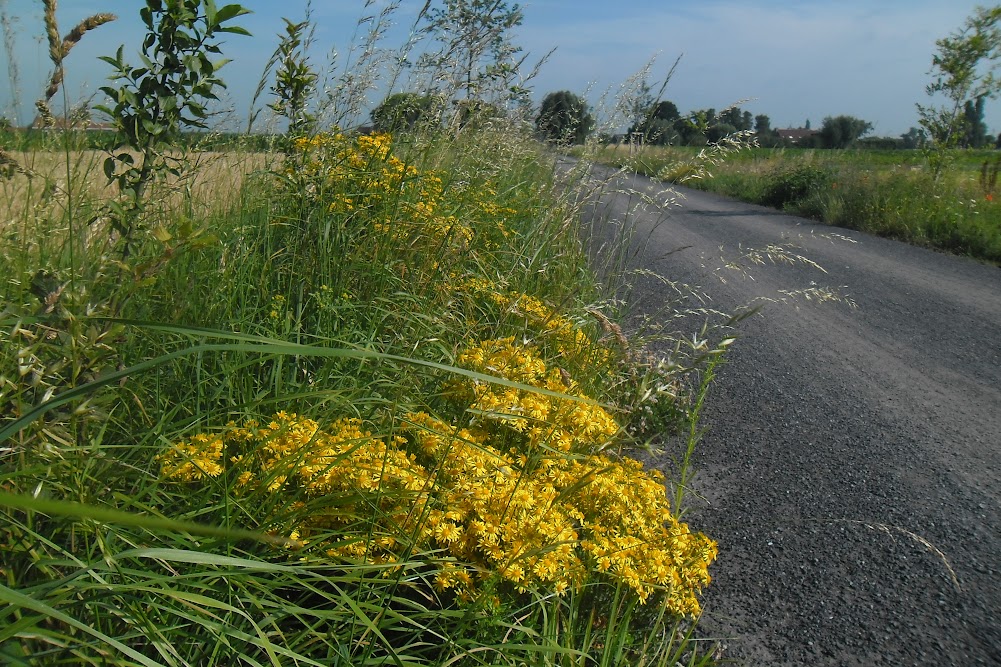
789 187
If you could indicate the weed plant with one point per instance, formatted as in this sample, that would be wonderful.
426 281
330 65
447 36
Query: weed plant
369 408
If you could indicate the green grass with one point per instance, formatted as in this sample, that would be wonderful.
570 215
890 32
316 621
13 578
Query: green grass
330 398
886 192
323 289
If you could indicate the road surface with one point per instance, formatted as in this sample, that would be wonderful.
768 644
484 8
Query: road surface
851 471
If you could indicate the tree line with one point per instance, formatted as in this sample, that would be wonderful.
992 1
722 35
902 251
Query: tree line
564 118
475 36
964 73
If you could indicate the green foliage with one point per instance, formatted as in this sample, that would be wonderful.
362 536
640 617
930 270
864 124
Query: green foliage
330 288
913 138
791 186
295 80
347 280
964 72
151 104
659 125
564 119
734 117
888 192
974 127
475 45
762 124
719 131
401 111
663 125
842 131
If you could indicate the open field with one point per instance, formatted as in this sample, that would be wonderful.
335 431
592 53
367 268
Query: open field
212 182
886 192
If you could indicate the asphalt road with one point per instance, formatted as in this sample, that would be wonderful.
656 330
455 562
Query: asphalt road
851 470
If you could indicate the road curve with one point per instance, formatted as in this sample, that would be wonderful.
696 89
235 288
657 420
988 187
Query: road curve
851 470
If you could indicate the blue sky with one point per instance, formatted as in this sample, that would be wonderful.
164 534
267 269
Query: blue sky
790 60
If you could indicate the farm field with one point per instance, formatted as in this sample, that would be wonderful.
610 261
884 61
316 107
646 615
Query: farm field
891 193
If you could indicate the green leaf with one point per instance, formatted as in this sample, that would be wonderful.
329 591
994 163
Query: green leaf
210 13
71 509
20 600
229 12
236 30
244 343
205 241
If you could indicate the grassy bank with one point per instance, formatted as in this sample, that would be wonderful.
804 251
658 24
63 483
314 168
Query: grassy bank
889 193
327 398
360 403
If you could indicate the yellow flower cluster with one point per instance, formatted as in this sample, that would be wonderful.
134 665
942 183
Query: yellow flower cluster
571 341
549 521
631 534
553 522
362 176
194 459
342 458
554 422
493 516
356 172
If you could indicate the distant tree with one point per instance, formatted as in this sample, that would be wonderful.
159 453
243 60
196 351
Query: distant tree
401 111
739 120
974 128
475 41
564 118
762 124
881 143
730 117
658 125
807 126
842 131
964 69
641 106
718 131
913 138
694 129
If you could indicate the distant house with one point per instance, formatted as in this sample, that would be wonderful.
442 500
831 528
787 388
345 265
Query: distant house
796 134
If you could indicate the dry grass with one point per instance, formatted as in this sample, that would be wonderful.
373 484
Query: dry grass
58 180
